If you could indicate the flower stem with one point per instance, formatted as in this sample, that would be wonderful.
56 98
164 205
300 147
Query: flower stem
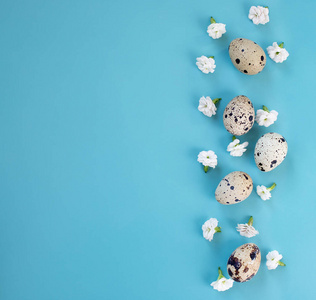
216 100
205 169
250 222
220 274
281 45
272 187
211 57
265 108
218 229
212 20
281 263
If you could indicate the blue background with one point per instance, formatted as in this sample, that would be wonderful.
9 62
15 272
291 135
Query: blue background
101 194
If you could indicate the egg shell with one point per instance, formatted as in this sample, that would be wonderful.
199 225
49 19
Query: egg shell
270 151
239 115
247 56
234 188
244 262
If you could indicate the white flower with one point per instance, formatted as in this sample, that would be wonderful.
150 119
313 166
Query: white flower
247 229
206 64
208 159
207 106
216 30
274 260
264 192
259 14
235 148
277 52
264 117
210 228
222 283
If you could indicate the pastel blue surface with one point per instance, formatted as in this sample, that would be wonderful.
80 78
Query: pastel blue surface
101 194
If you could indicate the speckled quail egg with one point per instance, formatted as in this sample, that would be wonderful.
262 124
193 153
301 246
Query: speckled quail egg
239 115
247 56
234 188
270 151
244 262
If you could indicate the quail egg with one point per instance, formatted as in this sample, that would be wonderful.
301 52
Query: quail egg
234 188
247 56
270 151
239 115
244 262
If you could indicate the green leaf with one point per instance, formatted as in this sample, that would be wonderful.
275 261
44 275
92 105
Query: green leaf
216 100
265 108
220 274
272 186
218 229
281 263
